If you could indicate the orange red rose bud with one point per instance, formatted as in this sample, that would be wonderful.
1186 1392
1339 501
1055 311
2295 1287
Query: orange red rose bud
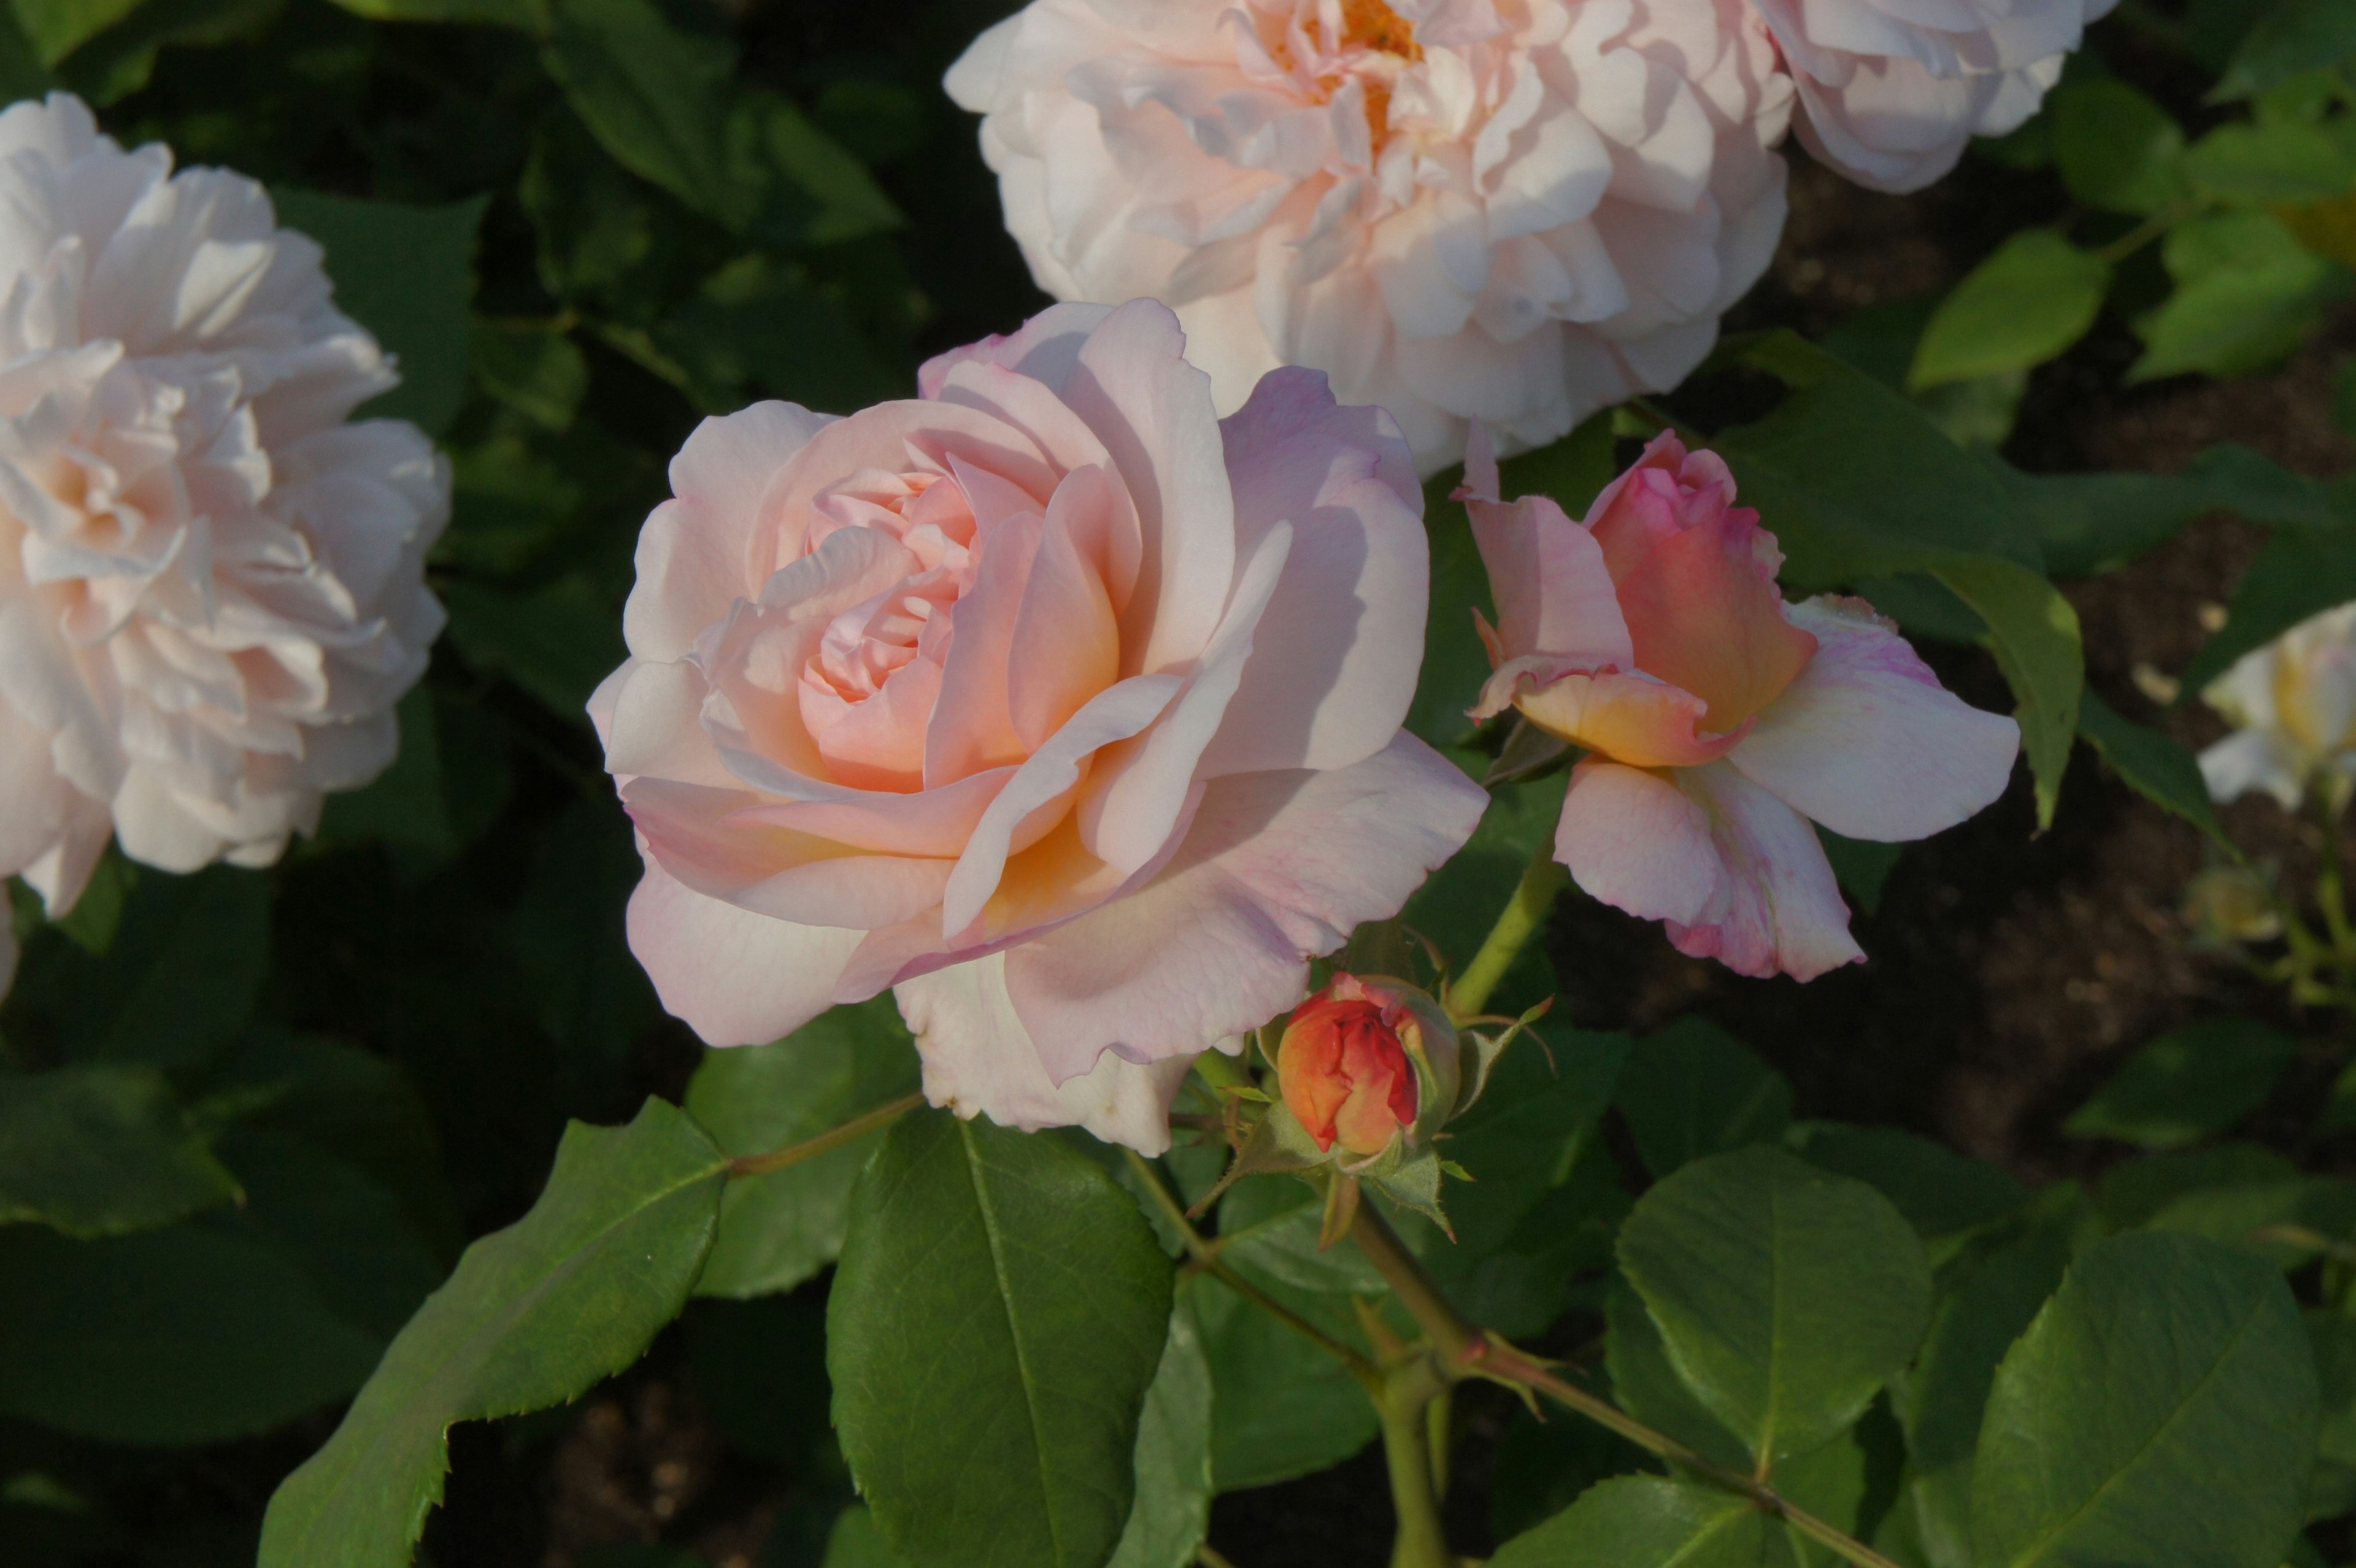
1367 1060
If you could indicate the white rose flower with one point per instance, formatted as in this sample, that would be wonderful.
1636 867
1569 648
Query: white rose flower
1516 211
2292 707
1891 89
211 586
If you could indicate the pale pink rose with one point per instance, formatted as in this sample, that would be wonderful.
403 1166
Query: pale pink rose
1890 91
1051 701
1717 719
212 585
1515 211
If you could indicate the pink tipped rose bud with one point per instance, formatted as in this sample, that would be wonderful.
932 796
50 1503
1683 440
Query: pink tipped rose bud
1362 1061
1717 719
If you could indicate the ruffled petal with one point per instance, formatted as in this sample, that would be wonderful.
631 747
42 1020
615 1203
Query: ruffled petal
1277 867
735 978
1867 742
980 1059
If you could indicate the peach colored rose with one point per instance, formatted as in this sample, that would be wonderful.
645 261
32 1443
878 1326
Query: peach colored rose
1049 700
1353 1061
1717 719
211 578
1891 89
1516 211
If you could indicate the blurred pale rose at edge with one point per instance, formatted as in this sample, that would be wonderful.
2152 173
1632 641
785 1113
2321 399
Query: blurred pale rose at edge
1718 721
1893 91
212 581
1517 214
1049 700
2292 704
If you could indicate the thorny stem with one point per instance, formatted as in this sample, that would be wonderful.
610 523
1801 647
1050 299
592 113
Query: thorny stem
1204 1254
832 1138
1523 917
1462 1349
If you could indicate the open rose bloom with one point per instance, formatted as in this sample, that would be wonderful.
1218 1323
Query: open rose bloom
1515 211
211 584
1718 721
1890 91
2292 704
1049 700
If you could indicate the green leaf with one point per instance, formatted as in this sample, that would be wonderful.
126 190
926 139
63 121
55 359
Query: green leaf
405 806
179 981
1174 1455
58 28
2290 38
1855 484
534 1315
2332 1336
536 371
2188 1085
1785 1296
1940 1192
2151 764
1939 1399
775 1231
2031 299
828 194
2246 292
406 273
1519 1140
2297 575
2165 1399
524 15
753 324
557 643
1648 1386
1280 1407
98 1151
1646 1521
2269 164
192 1334
2118 151
856 1542
23 72
350 1233
1694 1089
2133 1193
1859 865
656 98
998 1312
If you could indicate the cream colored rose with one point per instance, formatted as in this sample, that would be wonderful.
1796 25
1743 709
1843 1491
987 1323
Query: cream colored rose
1516 212
1891 91
212 585
2292 707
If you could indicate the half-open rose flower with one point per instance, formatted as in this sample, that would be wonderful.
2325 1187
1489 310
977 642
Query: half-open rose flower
1717 719
1516 211
1050 700
1890 91
212 585
2292 704
1367 1061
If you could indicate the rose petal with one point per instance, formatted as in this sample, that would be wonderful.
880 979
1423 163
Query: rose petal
695 554
726 843
1335 656
1277 867
1704 615
1867 742
736 978
1631 719
979 1059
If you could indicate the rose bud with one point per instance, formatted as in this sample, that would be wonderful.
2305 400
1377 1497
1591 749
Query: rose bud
1365 1060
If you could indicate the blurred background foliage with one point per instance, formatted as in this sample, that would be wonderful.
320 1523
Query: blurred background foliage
584 224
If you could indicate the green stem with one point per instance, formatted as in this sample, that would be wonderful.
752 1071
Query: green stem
2329 889
2144 233
1464 1349
1404 1395
1205 1254
832 1138
1207 1558
1523 917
